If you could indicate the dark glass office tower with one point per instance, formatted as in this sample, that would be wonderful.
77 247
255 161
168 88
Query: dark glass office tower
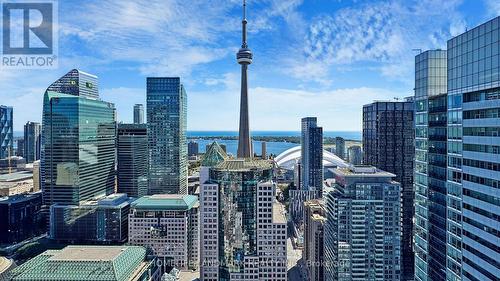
133 159
311 155
138 114
430 166
32 141
167 121
473 201
388 144
340 147
6 132
78 142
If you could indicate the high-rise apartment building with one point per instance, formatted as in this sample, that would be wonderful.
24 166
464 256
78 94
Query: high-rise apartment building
166 119
311 155
314 232
362 237
430 165
340 147
132 150
32 141
193 148
20 148
243 227
388 144
6 131
78 141
169 225
138 114
473 178
355 154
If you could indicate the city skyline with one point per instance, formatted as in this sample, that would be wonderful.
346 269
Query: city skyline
309 73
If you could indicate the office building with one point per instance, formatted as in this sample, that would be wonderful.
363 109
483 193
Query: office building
311 155
355 155
36 176
132 172
166 119
78 142
20 148
340 147
20 218
362 237
472 205
111 263
430 165
16 183
263 150
32 141
138 114
388 144
168 224
102 221
313 252
193 148
6 132
243 227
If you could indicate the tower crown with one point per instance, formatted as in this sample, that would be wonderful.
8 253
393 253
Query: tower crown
244 55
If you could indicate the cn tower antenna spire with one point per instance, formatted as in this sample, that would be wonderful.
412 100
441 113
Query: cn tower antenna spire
244 57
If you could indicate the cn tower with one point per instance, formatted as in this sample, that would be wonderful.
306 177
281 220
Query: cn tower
244 57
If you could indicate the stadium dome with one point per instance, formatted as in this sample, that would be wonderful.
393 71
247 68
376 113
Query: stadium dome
288 158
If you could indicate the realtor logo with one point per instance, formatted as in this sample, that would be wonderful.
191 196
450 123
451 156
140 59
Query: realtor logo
29 38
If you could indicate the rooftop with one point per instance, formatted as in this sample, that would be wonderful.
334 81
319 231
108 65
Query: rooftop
244 165
108 263
166 202
363 171
16 176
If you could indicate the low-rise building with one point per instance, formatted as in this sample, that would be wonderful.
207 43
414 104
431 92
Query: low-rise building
168 224
16 183
20 218
111 263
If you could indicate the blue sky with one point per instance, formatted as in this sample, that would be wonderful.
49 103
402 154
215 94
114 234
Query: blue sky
323 58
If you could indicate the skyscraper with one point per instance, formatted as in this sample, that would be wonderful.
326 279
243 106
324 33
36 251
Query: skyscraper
355 155
138 114
244 58
473 180
6 132
166 122
312 155
78 141
363 228
314 233
132 159
340 147
193 148
388 144
32 141
430 165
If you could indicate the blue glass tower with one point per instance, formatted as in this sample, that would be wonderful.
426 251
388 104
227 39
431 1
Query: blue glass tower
6 131
32 141
167 122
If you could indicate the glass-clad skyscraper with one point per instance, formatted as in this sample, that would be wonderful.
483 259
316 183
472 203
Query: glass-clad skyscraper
388 144
167 121
138 114
76 83
133 159
430 166
78 142
311 155
32 141
6 131
473 181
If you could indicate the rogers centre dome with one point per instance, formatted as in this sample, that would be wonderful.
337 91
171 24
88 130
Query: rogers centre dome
288 158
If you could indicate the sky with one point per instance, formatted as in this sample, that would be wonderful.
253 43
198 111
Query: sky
323 58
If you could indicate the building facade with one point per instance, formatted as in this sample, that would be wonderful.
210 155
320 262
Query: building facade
355 155
32 141
473 208
166 119
138 114
340 147
168 224
388 144
243 227
193 148
430 165
20 218
78 142
314 231
132 155
6 131
103 221
362 237
311 155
